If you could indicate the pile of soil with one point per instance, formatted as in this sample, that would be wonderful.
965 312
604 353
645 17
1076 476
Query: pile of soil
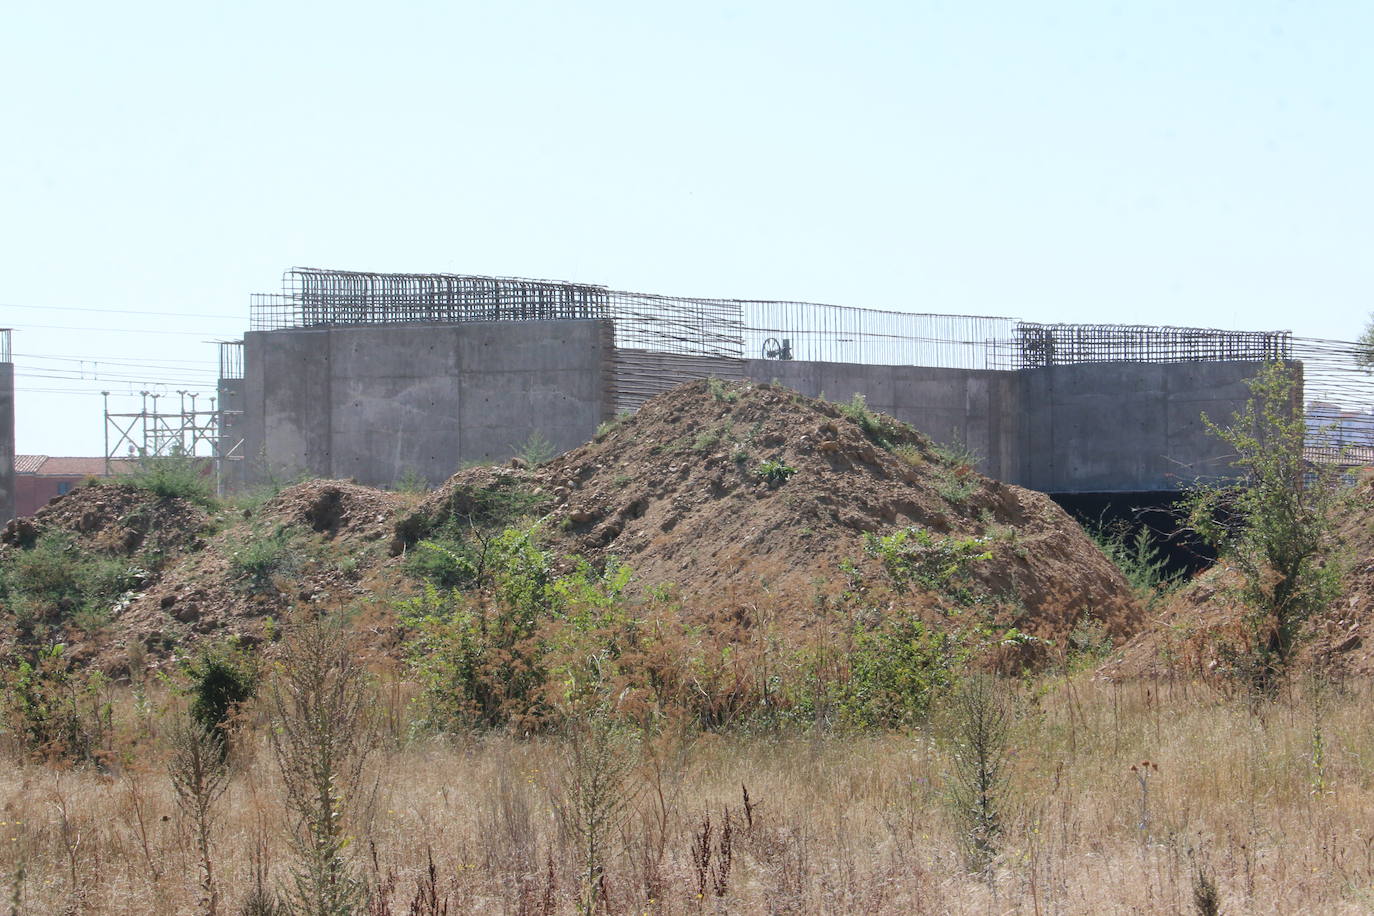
333 549
115 519
1194 629
682 494
727 496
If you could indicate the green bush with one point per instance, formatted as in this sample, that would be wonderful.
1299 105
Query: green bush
259 557
504 656
774 471
57 580
54 709
957 454
721 391
447 562
174 477
536 450
940 563
1139 558
897 669
1276 526
606 427
879 430
220 679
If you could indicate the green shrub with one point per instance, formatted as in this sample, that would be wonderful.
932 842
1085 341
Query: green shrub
259 557
1276 526
174 477
518 651
220 679
58 580
536 450
897 669
55 709
774 471
447 562
957 454
721 391
940 563
879 430
1139 558
609 426
411 482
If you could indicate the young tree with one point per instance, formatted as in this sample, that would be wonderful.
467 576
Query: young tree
321 732
1275 525
199 776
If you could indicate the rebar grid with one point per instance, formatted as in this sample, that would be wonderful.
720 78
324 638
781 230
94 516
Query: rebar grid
721 333
1039 345
230 359
312 297
5 353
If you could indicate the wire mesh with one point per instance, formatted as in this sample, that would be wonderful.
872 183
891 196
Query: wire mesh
312 297
720 333
841 334
231 359
1036 346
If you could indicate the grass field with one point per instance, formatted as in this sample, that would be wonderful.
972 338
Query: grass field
1270 803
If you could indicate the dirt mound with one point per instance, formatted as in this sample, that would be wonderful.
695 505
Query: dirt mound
116 519
725 496
731 494
323 542
1196 628
336 509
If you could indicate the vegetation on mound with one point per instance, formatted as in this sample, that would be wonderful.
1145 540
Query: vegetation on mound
55 582
174 477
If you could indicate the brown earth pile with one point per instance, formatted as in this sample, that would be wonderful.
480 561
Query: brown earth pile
679 493
728 496
115 519
330 540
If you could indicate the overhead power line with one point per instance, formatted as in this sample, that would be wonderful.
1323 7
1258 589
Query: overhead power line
77 308
67 327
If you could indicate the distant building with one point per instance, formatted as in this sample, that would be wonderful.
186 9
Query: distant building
40 478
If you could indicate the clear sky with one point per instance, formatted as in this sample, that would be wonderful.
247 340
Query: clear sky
1195 163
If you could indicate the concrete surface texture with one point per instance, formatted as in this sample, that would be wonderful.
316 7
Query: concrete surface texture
1090 428
6 442
379 402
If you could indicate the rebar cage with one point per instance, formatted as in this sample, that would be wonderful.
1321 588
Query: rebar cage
721 333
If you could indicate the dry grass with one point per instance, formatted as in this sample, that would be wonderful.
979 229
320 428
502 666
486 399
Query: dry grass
836 824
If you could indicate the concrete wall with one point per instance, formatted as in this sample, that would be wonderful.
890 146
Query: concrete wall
6 442
377 402
1121 427
1096 427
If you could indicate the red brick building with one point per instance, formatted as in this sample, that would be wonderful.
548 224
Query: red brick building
39 478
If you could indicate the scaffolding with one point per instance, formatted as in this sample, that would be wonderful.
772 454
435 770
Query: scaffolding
154 431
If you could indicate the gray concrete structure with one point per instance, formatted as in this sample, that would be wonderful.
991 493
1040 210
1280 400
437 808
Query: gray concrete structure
1089 428
377 402
6 442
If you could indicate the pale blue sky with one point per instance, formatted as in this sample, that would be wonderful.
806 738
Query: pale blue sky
1196 163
